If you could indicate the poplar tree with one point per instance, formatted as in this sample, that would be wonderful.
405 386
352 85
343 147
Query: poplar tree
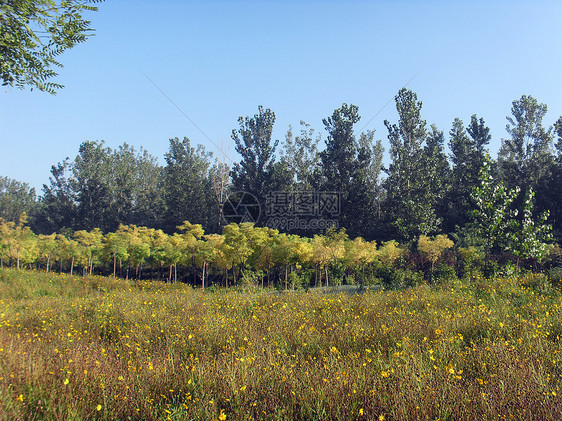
346 165
493 218
253 141
525 158
186 185
467 146
410 203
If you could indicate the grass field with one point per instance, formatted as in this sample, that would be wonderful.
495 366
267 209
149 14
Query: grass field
98 348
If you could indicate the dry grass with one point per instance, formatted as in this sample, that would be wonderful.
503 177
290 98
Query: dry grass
98 348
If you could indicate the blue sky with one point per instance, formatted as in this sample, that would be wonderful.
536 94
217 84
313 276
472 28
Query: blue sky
218 60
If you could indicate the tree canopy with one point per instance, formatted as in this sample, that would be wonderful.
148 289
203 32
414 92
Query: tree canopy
314 183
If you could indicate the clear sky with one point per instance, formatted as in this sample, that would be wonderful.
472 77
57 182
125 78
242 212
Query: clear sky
218 60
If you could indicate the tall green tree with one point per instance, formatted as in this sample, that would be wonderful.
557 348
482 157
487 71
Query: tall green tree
529 237
92 171
186 185
219 178
410 203
102 188
15 199
34 33
258 172
373 172
302 157
346 169
136 182
558 132
467 146
493 218
480 134
525 158
58 205
556 184
437 171
339 157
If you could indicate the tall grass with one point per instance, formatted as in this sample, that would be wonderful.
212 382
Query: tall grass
98 348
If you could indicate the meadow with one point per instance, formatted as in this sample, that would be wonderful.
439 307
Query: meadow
98 348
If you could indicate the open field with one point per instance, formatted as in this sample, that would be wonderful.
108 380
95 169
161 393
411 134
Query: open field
98 348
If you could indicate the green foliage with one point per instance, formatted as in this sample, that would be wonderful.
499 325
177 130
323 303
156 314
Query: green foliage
349 168
33 33
58 204
395 277
300 153
472 260
529 238
525 158
444 273
186 184
467 148
15 199
102 188
411 195
555 276
121 191
17 243
493 219
256 171
298 281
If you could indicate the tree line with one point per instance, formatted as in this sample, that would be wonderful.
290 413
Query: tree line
246 255
425 190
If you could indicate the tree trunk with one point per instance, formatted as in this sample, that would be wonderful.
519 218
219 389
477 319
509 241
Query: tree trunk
203 276
316 276
114 265
72 266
